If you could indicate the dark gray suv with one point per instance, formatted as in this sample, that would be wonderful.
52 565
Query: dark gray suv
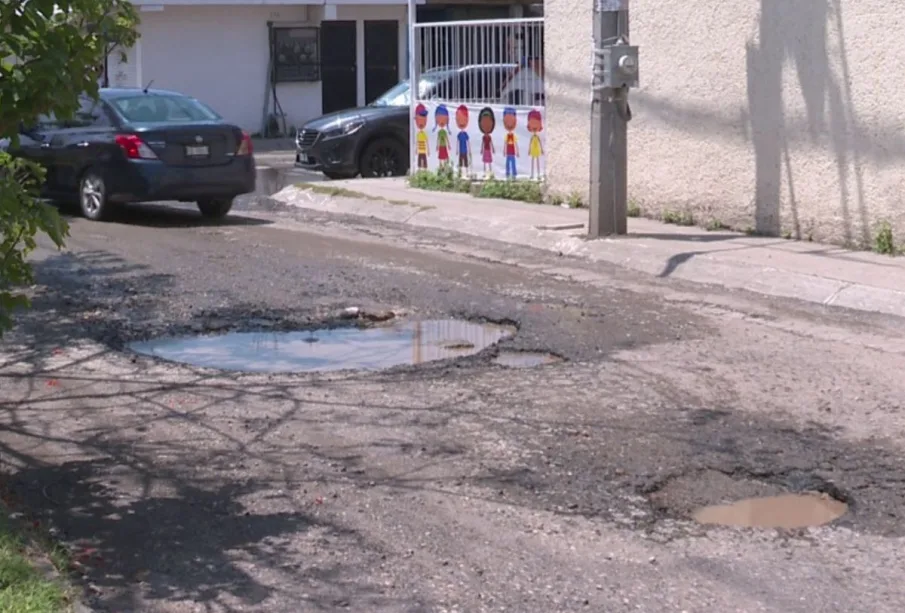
373 141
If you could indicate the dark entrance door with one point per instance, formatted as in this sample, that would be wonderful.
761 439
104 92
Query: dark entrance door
381 57
339 79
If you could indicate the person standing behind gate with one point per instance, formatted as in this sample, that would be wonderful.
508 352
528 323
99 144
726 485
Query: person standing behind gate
510 142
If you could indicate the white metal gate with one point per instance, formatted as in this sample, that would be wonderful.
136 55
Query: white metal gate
481 86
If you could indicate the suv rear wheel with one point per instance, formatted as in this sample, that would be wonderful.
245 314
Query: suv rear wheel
385 157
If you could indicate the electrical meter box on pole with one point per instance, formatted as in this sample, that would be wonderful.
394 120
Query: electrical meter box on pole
620 66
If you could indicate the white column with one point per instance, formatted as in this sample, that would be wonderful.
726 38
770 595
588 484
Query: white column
138 75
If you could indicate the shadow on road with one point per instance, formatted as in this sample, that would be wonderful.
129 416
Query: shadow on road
172 215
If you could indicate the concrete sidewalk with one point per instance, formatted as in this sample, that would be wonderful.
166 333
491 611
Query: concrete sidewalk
808 271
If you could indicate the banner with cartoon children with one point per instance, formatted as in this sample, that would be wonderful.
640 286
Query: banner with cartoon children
479 141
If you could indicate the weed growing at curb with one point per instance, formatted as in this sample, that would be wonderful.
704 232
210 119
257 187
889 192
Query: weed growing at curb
633 210
678 218
715 225
575 201
884 241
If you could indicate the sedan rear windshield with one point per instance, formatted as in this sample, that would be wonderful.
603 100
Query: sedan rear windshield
162 108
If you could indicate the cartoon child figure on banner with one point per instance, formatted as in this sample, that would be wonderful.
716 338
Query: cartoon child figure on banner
487 123
421 136
535 148
441 121
464 141
510 142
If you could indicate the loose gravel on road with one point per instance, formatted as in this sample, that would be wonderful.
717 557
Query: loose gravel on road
450 486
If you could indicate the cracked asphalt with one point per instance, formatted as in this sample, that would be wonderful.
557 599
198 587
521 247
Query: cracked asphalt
450 486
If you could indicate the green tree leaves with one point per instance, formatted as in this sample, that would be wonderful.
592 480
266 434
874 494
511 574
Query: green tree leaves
51 53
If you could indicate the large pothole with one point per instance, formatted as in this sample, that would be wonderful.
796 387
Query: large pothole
330 349
716 498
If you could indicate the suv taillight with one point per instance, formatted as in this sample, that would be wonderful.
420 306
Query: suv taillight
134 147
245 147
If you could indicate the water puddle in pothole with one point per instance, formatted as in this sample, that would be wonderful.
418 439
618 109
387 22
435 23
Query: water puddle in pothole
789 511
525 359
405 342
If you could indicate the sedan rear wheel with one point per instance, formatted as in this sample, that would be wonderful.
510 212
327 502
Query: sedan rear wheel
215 208
93 196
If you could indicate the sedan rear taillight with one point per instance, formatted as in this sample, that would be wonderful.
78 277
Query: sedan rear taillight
245 147
134 147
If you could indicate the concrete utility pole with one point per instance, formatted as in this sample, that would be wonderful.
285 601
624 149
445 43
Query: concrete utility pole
615 71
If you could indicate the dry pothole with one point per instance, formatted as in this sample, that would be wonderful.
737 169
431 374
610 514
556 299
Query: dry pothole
330 349
715 498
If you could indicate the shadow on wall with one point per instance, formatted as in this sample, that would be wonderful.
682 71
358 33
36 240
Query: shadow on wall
809 37
799 32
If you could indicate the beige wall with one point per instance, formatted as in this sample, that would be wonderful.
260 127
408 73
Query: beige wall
784 116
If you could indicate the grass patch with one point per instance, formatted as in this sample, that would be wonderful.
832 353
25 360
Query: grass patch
444 180
448 180
633 210
23 588
524 191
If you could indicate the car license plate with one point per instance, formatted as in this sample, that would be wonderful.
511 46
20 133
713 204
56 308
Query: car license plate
196 151
303 159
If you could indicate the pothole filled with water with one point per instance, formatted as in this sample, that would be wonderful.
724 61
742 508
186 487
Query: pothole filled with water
712 497
525 359
330 349
789 511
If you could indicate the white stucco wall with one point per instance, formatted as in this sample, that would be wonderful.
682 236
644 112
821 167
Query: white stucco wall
219 54
775 115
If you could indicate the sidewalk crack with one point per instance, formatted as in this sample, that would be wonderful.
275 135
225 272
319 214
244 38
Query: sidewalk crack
832 298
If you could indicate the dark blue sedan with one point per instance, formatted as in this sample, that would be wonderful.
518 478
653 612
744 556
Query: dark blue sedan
142 145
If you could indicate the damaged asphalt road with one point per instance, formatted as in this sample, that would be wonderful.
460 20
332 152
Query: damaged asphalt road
451 486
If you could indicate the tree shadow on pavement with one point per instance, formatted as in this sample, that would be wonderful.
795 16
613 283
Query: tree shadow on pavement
169 546
100 456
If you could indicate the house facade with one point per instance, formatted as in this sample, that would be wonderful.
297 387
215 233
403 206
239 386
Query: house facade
778 117
325 56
